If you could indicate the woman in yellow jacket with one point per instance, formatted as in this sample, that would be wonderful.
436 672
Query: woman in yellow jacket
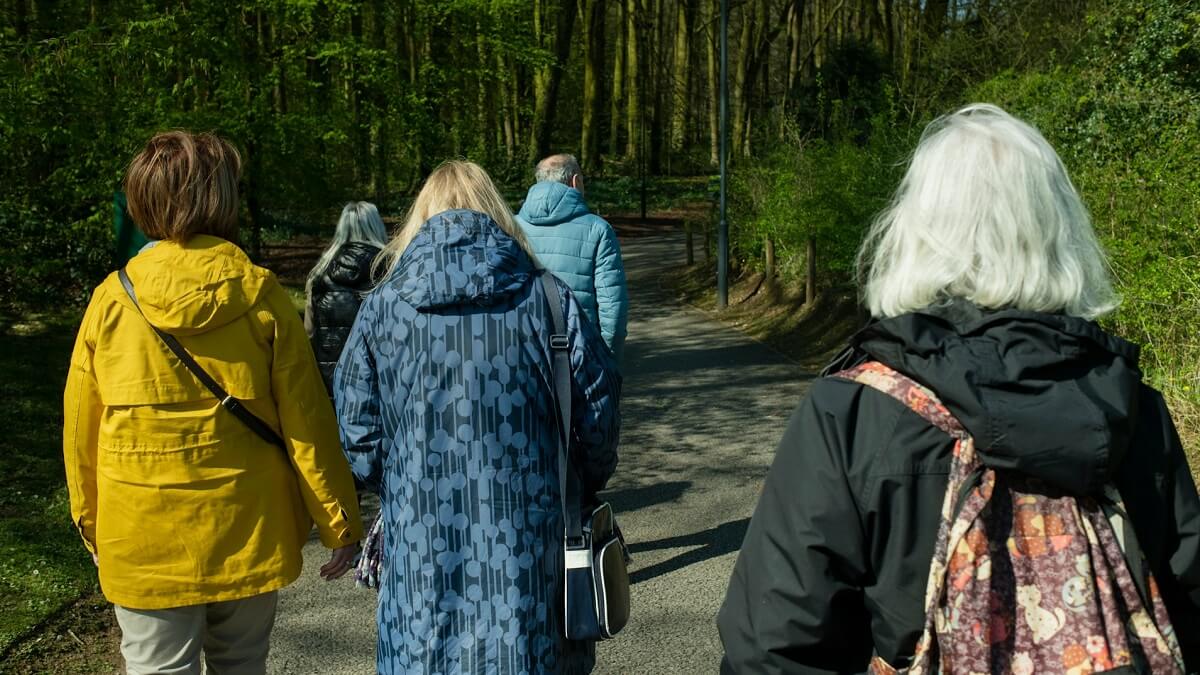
193 519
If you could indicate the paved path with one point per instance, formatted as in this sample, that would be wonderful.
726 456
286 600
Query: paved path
703 408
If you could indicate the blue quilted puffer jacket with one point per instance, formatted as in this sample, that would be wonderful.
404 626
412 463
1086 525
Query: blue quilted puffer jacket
581 249
446 409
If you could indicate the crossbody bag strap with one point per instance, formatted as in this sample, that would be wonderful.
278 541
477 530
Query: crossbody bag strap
233 405
568 482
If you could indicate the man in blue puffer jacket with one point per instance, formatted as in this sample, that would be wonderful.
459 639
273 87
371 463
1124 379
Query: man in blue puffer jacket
578 246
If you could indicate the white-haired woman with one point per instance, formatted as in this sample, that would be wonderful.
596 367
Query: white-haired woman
984 277
338 281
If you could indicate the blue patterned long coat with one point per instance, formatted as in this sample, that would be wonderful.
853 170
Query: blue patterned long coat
446 408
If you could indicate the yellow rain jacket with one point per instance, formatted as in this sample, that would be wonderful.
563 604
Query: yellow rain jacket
180 500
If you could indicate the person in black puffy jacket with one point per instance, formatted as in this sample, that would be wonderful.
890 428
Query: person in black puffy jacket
984 277
339 280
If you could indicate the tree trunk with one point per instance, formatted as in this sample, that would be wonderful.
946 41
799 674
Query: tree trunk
363 172
481 91
633 99
593 13
617 100
739 90
656 60
934 17
795 32
539 38
21 18
508 109
378 135
712 20
810 276
769 262
684 19
543 116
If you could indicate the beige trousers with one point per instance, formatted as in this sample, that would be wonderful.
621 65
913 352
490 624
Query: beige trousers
234 637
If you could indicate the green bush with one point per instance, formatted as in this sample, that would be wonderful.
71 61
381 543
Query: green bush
45 264
1127 124
812 187
1122 108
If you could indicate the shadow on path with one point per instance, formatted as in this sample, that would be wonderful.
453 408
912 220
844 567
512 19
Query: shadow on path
725 538
635 498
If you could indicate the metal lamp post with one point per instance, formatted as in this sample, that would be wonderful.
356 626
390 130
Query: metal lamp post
723 226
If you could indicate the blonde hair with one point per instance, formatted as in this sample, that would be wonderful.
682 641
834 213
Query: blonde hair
183 184
455 184
986 213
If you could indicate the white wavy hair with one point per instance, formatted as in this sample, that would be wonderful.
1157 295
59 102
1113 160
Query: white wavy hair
986 213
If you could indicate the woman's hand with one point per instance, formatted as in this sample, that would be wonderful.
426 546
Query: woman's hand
339 563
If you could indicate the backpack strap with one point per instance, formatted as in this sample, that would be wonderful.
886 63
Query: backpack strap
970 483
969 491
915 396
228 401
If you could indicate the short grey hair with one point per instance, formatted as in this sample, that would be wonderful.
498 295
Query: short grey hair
985 213
558 169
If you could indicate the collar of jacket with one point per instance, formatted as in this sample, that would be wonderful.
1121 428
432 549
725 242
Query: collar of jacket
1048 395
461 257
192 287
551 203
351 264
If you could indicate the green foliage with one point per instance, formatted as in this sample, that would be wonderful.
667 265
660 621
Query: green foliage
848 96
1117 95
44 261
328 100
828 190
1127 124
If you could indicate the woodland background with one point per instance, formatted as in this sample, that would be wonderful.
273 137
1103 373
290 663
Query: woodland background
333 100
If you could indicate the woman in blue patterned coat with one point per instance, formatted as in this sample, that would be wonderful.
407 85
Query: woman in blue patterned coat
446 408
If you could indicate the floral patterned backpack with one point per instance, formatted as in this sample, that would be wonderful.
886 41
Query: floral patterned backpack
1025 579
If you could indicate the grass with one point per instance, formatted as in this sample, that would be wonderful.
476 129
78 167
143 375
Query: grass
81 640
43 567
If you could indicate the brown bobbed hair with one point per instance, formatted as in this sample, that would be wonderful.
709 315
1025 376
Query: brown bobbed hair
183 184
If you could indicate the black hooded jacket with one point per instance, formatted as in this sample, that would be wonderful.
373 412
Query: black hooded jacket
836 558
333 303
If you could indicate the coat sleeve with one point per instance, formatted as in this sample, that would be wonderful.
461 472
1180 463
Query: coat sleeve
356 393
612 297
1182 593
82 408
794 603
595 397
309 430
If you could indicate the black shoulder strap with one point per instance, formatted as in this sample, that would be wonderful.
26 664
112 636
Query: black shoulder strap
230 403
568 482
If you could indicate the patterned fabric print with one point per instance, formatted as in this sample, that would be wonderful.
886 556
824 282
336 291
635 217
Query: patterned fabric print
1028 582
444 403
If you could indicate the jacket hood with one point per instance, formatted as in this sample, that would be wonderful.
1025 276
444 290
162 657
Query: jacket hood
552 203
351 264
1051 396
461 257
192 288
